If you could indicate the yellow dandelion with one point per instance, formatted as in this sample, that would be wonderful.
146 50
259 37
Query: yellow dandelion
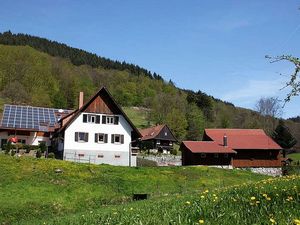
265 195
272 221
131 208
257 202
296 221
268 198
214 195
188 203
252 198
201 221
202 196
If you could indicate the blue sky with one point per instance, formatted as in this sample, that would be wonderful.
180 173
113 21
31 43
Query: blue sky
214 46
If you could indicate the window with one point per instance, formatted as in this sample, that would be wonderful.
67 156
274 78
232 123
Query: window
166 134
216 155
117 156
91 118
101 138
100 156
110 120
158 142
203 155
225 155
81 137
117 138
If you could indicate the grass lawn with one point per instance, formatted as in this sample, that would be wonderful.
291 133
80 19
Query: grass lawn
294 156
272 201
31 190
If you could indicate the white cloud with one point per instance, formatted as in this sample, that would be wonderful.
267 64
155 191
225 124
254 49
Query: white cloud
254 89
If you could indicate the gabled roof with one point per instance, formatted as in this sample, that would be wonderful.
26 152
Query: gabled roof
101 91
243 138
153 132
207 147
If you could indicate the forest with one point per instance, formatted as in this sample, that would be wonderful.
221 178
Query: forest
50 74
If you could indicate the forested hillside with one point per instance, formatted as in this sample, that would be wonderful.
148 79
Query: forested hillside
51 74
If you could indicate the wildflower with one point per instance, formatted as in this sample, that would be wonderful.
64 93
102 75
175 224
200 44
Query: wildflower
202 196
268 198
296 221
265 195
252 198
201 221
115 213
214 195
131 208
257 202
188 203
272 221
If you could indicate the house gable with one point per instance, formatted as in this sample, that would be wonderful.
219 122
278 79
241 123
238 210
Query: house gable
101 103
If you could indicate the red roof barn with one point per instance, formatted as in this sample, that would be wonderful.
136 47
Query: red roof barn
235 147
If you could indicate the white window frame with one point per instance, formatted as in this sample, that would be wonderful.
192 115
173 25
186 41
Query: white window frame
91 118
80 140
103 137
119 136
110 120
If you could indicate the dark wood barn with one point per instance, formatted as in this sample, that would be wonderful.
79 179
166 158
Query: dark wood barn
159 137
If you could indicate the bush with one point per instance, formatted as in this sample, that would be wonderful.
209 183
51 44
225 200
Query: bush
7 147
174 151
42 146
51 155
38 154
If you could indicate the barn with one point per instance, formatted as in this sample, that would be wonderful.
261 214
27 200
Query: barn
238 148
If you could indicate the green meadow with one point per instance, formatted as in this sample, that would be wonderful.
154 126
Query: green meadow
32 192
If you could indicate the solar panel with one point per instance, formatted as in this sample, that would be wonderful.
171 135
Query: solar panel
29 117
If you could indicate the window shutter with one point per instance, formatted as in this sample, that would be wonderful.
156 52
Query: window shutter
84 118
103 119
86 137
122 139
98 119
105 138
96 137
116 120
76 136
112 138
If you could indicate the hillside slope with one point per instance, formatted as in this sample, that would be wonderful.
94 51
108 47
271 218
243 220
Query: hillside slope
30 188
45 80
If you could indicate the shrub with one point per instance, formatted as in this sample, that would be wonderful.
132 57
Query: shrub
51 155
38 154
42 146
174 151
7 147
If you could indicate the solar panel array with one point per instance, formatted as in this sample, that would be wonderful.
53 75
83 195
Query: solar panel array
28 117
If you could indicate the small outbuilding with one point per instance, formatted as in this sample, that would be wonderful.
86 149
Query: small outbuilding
159 137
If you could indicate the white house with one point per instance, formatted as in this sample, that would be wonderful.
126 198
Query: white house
98 132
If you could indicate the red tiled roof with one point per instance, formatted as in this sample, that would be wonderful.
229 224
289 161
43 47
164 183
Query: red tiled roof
151 132
207 147
243 138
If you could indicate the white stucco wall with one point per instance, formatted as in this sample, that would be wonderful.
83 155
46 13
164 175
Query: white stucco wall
113 153
33 139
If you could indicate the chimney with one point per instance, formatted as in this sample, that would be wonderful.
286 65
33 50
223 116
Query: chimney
225 141
80 99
